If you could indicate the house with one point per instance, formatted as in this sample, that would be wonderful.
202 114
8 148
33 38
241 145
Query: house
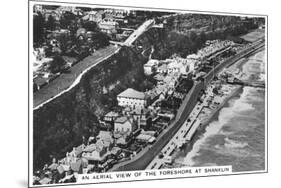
124 125
122 140
61 169
173 67
193 57
132 98
108 26
94 16
72 156
101 149
95 153
77 151
45 181
53 166
159 78
79 165
162 69
152 94
38 8
171 81
110 116
150 66
105 138
146 138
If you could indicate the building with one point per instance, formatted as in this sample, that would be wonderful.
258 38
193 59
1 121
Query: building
38 8
110 116
150 66
94 16
96 152
132 98
73 156
146 138
124 125
45 181
162 69
109 27
174 67
105 138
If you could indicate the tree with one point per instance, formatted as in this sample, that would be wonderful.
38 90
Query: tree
57 65
66 19
38 28
100 40
50 25
202 37
91 26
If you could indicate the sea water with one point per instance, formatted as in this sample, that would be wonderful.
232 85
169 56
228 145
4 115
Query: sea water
237 135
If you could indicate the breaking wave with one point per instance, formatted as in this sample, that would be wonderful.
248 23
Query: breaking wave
225 115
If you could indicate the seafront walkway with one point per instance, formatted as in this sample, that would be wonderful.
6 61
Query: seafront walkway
181 136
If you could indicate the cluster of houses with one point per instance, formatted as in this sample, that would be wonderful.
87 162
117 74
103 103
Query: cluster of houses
163 69
41 75
213 47
107 19
139 119
136 123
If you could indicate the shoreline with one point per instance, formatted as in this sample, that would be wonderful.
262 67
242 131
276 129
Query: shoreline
202 129
174 147
213 116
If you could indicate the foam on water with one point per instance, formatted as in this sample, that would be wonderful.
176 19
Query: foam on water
235 107
237 137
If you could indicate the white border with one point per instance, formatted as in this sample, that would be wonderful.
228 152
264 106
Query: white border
30 123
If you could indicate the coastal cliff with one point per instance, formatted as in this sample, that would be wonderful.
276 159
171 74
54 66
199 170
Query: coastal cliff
63 122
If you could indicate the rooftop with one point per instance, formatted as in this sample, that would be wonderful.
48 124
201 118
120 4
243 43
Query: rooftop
122 119
45 181
112 114
131 93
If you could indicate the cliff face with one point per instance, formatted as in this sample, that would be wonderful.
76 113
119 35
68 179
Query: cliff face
60 124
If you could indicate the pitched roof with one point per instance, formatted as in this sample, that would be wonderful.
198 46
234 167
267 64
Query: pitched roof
45 181
162 67
90 148
76 166
131 93
122 119
112 114
159 77
60 169
79 149
53 166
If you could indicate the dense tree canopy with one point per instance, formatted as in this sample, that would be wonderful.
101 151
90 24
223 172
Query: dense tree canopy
38 28
51 23
57 65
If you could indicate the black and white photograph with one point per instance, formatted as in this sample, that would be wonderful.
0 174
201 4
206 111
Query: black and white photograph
123 93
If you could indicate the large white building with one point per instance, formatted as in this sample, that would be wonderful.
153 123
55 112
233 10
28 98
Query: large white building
132 98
